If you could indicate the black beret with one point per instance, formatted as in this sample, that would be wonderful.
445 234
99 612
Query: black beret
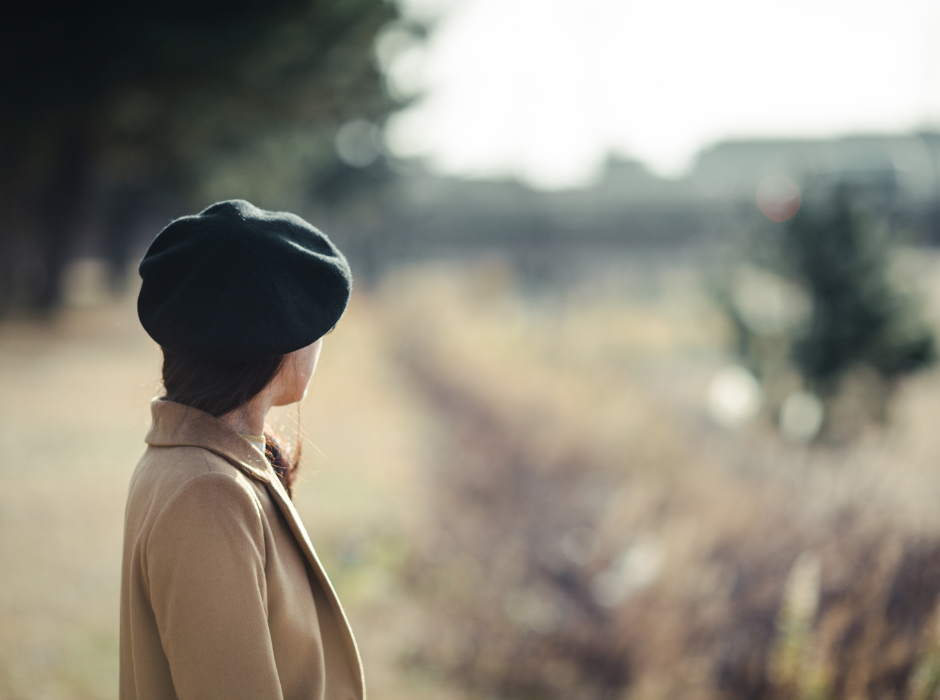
236 283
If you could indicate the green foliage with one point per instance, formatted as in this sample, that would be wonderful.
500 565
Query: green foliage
189 75
200 100
817 306
857 315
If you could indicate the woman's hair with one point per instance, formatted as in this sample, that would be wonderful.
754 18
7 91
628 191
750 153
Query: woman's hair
221 387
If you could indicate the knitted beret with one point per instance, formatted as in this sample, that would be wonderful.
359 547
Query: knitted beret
236 283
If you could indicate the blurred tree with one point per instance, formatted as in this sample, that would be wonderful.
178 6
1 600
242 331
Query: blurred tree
819 297
857 314
107 102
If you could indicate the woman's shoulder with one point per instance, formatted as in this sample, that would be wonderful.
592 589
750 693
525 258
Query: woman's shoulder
165 473
178 463
178 491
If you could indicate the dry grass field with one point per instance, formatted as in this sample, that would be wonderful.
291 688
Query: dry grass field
516 496
617 543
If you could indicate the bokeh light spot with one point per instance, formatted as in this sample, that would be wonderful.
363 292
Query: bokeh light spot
801 416
778 198
734 397
358 143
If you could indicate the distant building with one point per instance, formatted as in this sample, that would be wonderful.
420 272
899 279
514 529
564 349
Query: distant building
631 209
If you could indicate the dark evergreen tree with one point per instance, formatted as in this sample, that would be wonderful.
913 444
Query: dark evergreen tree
857 315
200 98
815 304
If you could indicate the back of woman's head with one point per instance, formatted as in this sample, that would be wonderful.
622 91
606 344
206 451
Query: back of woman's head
218 388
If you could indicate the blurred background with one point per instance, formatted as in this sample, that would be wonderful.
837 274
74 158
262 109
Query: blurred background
637 393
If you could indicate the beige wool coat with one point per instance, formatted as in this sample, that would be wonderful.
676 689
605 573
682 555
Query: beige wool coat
222 594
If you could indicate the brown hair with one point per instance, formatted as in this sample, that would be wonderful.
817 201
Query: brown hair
221 387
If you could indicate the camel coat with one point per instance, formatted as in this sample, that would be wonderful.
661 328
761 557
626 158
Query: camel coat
222 594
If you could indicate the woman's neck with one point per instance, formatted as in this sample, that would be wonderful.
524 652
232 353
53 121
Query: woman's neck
249 419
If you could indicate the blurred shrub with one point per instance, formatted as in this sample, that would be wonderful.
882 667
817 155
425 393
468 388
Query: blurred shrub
817 299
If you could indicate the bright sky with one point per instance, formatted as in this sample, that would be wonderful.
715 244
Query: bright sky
544 89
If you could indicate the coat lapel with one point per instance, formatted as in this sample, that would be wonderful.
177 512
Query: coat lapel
280 497
175 424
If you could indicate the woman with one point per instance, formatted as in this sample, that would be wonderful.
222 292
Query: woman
222 594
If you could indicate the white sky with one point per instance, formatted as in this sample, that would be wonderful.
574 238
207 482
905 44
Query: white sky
544 89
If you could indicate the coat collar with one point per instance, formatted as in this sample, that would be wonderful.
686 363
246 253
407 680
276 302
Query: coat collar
175 424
